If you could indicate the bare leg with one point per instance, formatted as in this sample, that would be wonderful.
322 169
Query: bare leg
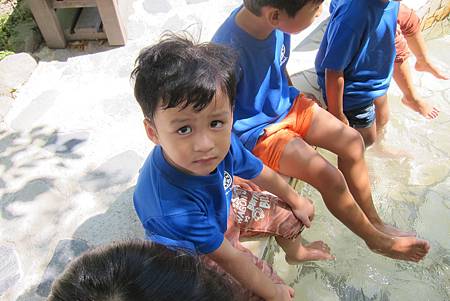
297 253
301 161
382 112
369 134
411 98
351 163
417 45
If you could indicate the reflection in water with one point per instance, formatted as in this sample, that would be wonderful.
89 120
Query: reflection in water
410 173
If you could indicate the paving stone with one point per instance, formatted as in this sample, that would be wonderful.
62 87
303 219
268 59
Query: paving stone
65 252
5 106
117 170
34 111
66 143
195 1
119 222
9 268
15 69
156 6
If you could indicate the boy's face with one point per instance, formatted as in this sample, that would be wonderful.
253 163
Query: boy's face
304 18
194 142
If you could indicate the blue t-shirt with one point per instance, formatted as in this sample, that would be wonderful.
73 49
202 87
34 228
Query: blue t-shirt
263 95
360 41
185 211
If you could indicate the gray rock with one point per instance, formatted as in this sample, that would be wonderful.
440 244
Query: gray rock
156 6
9 268
5 106
117 170
27 37
65 252
15 69
119 222
34 111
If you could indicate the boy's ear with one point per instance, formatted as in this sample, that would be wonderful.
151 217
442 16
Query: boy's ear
272 15
151 131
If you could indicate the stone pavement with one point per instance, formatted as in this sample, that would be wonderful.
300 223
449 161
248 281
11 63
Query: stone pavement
72 143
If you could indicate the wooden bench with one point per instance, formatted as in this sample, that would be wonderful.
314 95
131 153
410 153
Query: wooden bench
85 20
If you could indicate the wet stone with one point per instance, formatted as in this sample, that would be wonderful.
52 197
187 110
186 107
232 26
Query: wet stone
65 252
9 268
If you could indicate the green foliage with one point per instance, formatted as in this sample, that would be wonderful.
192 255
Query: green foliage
20 14
4 54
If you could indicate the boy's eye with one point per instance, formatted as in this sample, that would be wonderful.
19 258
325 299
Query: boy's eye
216 124
184 130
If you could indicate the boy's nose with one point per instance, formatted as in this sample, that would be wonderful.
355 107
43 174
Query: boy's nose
203 143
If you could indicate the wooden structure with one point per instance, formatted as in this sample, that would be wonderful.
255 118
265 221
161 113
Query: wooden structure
63 20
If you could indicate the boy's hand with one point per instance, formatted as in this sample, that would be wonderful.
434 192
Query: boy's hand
282 293
304 211
246 184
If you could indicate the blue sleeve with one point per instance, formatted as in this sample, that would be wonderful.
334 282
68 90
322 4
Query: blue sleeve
191 232
343 44
245 164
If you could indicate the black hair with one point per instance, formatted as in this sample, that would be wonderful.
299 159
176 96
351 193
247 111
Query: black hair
291 7
179 72
139 271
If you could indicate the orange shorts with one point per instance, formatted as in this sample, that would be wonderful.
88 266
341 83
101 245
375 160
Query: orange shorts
270 146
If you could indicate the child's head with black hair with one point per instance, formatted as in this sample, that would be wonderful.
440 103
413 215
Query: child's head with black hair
186 91
138 271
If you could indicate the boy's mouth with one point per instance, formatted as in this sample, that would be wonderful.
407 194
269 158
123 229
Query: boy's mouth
205 160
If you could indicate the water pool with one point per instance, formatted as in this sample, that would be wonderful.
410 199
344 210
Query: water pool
410 175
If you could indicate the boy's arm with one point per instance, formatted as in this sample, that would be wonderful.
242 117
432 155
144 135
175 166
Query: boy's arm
334 86
271 181
242 269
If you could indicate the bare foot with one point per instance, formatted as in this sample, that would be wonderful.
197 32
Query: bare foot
392 231
426 66
403 248
422 108
317 250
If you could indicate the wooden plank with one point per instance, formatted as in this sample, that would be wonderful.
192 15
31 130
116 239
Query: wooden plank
89 21
112 22
48 23
101 35
72 3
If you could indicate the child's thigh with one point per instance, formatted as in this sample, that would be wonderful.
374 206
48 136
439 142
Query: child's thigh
329 133
260 214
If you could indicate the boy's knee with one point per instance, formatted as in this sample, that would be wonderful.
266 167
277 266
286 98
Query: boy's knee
333 180
354 147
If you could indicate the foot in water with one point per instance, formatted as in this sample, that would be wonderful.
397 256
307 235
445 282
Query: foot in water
422 108
402 248
392 231
426 66
317 250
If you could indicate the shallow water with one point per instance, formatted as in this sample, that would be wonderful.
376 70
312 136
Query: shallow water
410 175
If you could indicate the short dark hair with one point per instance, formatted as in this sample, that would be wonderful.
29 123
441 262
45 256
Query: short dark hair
139 271
178 72
291 7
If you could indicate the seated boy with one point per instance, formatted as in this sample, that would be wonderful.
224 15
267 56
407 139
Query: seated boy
139 271
183 194
278 124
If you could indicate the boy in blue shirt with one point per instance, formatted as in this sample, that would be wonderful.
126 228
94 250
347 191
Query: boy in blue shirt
184 191
355 62
279 125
